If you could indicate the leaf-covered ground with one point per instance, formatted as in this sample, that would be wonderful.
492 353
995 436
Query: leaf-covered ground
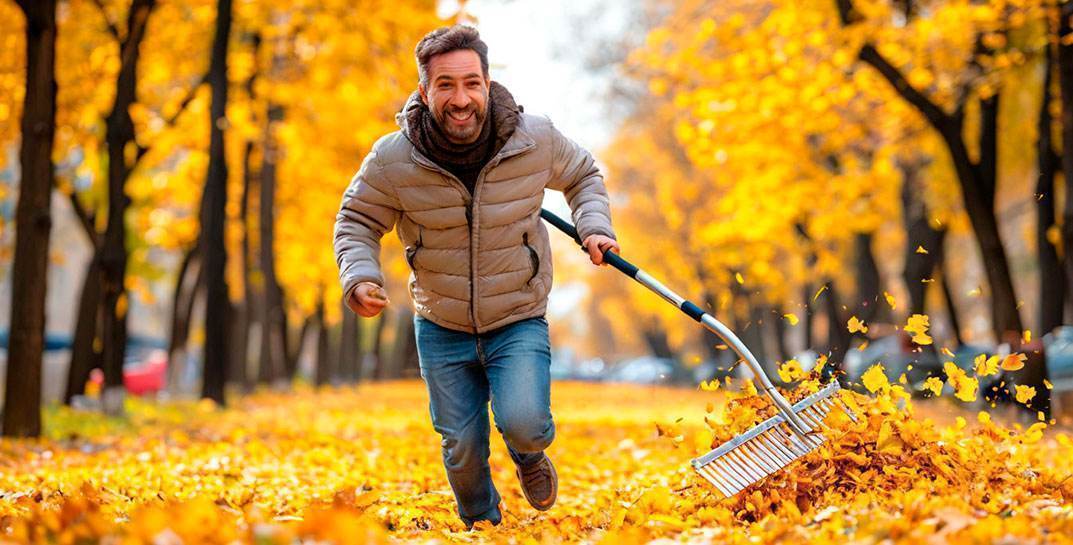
362 464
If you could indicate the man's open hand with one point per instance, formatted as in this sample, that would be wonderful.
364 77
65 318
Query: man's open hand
369 299
596 245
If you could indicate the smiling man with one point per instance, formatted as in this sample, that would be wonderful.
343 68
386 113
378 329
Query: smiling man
463 182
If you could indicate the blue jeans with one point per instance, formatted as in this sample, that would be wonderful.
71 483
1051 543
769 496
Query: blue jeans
509 366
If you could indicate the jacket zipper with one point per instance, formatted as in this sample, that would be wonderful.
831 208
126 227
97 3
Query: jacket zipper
421 160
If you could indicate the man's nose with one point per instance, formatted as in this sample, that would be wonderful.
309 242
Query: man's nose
459 99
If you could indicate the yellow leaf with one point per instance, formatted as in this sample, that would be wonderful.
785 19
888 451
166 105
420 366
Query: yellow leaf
918 328
985 366
890 301
791 317
818 292
790 371
1024 394
1027 337
1014 362
856 325
874 379
934 385
739 278
921 250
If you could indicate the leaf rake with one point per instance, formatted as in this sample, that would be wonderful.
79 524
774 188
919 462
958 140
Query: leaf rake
769 446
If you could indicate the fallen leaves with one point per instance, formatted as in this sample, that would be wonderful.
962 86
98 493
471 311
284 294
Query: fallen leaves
362 465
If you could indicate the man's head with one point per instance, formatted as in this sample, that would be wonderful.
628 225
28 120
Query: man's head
452 63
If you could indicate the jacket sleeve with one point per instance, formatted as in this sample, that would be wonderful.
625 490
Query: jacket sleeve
574 173
369 209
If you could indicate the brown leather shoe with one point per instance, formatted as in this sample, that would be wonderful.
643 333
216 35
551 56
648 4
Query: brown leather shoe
540 483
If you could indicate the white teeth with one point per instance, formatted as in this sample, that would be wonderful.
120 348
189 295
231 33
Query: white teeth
453 116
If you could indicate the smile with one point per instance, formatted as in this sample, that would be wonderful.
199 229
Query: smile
455 117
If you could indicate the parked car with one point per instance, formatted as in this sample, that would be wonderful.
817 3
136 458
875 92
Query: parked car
642 370
144 372
1058 347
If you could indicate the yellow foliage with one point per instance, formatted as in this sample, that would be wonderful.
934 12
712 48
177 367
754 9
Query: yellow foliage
917 326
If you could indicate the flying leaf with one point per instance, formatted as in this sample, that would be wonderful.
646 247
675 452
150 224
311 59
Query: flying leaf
855 325
874 379
1014 362
918 328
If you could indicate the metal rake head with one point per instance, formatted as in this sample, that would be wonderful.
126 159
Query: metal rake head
768 446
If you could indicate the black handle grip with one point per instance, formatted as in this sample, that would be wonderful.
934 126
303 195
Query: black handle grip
611 258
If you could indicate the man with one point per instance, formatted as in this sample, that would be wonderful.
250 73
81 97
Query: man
463 180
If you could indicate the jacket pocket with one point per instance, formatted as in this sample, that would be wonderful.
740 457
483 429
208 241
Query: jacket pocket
411 251
534 258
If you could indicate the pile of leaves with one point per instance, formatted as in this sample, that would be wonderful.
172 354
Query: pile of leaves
362 465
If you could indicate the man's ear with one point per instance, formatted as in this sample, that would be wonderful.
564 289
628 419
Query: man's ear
424 95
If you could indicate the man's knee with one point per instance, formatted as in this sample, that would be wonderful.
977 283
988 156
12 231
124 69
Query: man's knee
466 450
527 434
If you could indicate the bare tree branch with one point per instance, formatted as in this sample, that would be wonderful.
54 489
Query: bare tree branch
112 29
869 54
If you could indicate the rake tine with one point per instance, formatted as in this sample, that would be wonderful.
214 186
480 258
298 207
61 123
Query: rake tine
769 464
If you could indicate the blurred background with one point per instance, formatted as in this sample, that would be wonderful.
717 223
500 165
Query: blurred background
813 173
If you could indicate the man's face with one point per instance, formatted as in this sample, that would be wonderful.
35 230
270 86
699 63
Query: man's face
457 94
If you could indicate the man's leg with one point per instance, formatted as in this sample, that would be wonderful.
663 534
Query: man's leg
518 359
458 402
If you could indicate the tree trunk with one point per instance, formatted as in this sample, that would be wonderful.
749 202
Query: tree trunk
919 234
349 347
407 362
656 339
838 337
807 327
1051 281
322 371
780 333
85 354
1065 85
33 220
273 320
119 135
187 283
377 352
214 218
951 307
868 281
977 179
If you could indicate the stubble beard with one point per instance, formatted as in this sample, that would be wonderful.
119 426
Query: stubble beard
466 134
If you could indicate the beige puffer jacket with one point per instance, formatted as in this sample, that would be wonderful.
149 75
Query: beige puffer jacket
492 248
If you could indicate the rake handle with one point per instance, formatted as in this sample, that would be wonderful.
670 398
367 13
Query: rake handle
694 312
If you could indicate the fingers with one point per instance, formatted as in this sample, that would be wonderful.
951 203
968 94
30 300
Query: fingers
369 300
597 245
595 255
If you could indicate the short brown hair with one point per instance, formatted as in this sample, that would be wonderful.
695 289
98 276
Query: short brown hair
447 39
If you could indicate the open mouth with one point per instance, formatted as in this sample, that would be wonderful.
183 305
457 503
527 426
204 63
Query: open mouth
460 117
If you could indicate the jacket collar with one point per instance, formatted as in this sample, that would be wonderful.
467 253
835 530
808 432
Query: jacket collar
519 142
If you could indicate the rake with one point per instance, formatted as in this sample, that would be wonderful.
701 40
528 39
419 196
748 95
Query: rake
769 446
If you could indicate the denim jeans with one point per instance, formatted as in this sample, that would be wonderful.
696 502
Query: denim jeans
509 366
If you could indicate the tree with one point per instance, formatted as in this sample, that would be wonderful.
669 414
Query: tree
213 218
977 177
22 401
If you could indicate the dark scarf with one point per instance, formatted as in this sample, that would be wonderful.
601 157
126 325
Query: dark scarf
463 160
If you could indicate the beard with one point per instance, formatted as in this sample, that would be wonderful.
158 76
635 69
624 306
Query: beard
465 133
